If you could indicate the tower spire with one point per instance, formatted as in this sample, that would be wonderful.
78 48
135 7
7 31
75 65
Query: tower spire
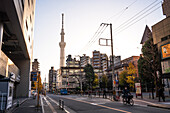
62 44
62 20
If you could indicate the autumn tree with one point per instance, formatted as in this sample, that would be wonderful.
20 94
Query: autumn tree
96 81
123 78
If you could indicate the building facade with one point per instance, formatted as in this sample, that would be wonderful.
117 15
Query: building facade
161 38
16 41
52 79
96 62
84 60
72 62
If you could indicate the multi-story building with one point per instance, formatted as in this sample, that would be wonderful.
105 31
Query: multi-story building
72 62
96 62
84 60
35 65
72 77
52 79
16 42
34 74
161 37
104 62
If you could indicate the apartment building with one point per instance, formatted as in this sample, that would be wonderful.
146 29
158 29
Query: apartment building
84 60
52 79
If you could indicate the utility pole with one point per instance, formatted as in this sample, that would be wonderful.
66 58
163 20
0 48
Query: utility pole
113 77
38 89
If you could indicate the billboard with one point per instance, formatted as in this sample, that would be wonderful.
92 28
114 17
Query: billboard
165 66
165 50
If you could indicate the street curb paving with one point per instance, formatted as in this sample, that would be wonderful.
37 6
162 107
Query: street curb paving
159 106
14 108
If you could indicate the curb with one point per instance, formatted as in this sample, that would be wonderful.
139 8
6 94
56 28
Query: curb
159 106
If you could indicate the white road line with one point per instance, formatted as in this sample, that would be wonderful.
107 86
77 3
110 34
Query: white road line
115 109
67 110
42 104
49 104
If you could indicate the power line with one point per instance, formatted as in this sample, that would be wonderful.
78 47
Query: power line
136 16
137 20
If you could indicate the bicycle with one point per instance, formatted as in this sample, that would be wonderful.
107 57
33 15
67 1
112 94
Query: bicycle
125 100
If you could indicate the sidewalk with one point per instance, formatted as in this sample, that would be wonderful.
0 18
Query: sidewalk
146 101
27 105
155 103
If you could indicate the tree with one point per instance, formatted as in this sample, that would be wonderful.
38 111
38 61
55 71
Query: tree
104 81
131 75
89 74
96 81
144 74
131 69
151 62
123 78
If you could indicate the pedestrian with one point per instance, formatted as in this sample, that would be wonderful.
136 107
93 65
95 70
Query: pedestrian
104 94
161 93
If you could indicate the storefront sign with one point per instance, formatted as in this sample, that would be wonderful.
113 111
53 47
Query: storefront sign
138 89
165 50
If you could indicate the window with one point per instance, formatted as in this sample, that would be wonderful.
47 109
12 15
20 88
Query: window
10 91
26 25
22 1
165 38
30 19
28 2
29 38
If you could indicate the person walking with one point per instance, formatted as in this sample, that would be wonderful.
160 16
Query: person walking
161 93
104 94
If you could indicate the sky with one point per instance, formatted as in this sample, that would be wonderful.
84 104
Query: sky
82 18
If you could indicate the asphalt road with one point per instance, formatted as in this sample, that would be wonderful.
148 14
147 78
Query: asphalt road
78 104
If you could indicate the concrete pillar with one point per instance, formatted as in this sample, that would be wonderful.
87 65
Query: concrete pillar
1 35
23 88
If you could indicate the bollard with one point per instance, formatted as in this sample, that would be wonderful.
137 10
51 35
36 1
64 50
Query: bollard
62 105
149 96
18 103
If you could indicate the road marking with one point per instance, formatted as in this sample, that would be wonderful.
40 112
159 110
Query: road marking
42 104
99 105
67 110
49 104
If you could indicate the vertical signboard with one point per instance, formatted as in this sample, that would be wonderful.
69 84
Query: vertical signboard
138 89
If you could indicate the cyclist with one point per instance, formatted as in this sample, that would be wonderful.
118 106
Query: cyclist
126 93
